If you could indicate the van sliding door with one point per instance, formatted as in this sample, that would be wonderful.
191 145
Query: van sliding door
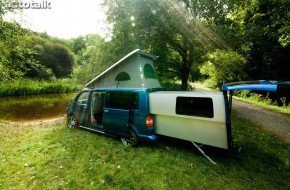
116 112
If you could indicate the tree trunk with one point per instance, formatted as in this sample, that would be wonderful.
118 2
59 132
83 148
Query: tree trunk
184 78
187 60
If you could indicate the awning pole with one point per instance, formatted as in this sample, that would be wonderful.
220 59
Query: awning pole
202 152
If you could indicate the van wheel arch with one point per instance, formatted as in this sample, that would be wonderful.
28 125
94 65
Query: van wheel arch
132 140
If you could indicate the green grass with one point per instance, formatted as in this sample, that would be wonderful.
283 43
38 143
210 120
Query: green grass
53 157
34 87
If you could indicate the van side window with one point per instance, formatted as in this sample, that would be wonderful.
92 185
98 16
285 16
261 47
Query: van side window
194 106
122 100
83 98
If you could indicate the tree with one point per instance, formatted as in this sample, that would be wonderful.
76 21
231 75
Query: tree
93 57
184 32
78 44
179 28
223 66
264 27
15 54
55 57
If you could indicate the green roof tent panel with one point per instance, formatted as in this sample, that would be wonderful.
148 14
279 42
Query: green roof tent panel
135 70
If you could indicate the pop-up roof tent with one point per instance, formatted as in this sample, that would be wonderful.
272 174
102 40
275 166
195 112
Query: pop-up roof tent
135 70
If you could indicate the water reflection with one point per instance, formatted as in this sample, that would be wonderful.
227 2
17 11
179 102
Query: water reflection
25 108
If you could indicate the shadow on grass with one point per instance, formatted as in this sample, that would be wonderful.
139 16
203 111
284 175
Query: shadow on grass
248 149
84 159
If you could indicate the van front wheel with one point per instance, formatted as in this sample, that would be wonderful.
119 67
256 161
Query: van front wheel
131 140
72 122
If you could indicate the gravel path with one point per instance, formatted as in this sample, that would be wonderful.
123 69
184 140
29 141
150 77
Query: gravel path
278 124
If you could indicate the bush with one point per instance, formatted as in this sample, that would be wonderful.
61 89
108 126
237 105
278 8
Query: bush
223 66
32 87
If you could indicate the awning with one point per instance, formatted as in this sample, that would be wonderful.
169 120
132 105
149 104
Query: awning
262 85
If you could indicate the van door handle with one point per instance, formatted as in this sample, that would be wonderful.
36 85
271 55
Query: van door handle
106 111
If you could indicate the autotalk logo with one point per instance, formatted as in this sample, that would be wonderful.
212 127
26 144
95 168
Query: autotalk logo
28 4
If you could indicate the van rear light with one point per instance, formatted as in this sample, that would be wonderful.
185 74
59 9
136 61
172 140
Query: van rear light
149 121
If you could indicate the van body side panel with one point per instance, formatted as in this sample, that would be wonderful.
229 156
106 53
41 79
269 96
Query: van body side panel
201 131
113 111
138 117
116 120
137 121
209 131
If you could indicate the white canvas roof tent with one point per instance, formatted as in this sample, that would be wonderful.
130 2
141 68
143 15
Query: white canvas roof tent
135 70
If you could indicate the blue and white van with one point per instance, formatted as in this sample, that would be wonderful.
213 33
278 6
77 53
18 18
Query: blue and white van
137 114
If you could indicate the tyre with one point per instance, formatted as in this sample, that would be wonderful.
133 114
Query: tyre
72 122
131 140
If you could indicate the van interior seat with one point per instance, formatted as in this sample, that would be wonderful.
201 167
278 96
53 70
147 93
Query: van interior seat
97 107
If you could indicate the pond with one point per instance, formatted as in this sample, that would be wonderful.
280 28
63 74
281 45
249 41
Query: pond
36 107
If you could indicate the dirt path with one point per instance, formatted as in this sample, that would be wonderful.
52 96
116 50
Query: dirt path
278 124
44 122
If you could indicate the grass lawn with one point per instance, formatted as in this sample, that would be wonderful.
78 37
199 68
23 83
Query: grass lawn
53 157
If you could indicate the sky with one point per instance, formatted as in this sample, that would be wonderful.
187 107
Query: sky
65 18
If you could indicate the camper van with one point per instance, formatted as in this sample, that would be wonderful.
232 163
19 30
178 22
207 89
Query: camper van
127 101
118 112
142 114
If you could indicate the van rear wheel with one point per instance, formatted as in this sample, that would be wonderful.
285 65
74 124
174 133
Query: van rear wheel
131 140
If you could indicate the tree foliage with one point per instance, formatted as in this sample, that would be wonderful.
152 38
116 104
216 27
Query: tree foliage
181 32
265 25
23 54
15 54
253 34
227 39
223 66
93 55
55 58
